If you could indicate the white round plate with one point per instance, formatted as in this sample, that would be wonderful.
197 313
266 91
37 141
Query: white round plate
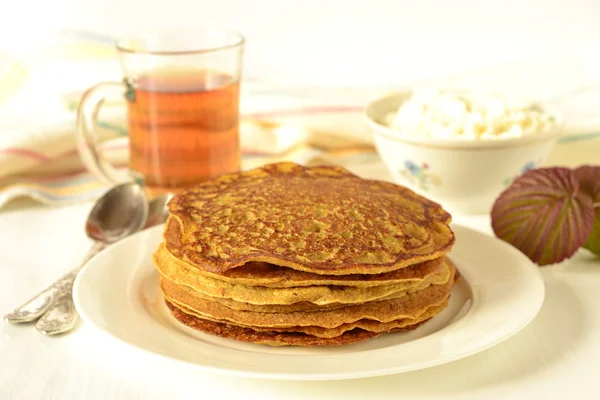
500 293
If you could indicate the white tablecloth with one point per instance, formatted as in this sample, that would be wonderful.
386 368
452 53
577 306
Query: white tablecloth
557 356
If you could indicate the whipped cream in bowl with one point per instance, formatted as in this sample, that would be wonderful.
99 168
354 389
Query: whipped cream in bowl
461 148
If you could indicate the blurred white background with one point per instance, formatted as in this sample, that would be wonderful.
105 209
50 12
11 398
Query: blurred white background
338 42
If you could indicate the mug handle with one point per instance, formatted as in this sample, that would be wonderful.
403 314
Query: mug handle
87 137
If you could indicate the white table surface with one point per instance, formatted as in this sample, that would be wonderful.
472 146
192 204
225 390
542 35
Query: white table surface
557 356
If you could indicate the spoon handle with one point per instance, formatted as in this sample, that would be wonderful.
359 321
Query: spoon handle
62 316
40 303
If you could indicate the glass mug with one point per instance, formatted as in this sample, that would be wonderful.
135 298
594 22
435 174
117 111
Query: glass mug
182 95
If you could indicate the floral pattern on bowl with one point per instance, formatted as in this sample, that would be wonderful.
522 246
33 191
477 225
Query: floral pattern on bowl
420 175
529 165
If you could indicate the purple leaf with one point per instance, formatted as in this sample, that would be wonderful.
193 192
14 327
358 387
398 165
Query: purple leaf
544 214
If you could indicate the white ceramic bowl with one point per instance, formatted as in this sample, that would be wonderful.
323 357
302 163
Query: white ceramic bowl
465 177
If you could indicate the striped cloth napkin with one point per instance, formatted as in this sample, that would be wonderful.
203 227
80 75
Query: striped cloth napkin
40 86
41 82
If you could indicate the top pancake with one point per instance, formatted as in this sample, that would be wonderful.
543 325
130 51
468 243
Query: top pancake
323 220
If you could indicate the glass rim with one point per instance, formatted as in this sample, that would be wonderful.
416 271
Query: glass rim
239 41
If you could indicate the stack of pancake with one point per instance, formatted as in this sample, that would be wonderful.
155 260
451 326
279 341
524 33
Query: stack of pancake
288 255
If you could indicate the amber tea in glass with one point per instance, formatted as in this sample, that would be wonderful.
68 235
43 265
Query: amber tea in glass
182 95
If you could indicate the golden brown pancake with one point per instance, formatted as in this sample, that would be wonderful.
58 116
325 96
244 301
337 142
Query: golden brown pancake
364 324
409 306
168 286
323 220
320 295
270 275
272 338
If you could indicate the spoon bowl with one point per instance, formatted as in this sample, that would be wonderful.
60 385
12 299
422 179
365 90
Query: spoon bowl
122 211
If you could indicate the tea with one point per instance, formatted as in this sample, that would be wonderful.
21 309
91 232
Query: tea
183 127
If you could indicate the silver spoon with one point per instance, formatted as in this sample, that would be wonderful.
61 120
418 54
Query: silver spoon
122 211
62 316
